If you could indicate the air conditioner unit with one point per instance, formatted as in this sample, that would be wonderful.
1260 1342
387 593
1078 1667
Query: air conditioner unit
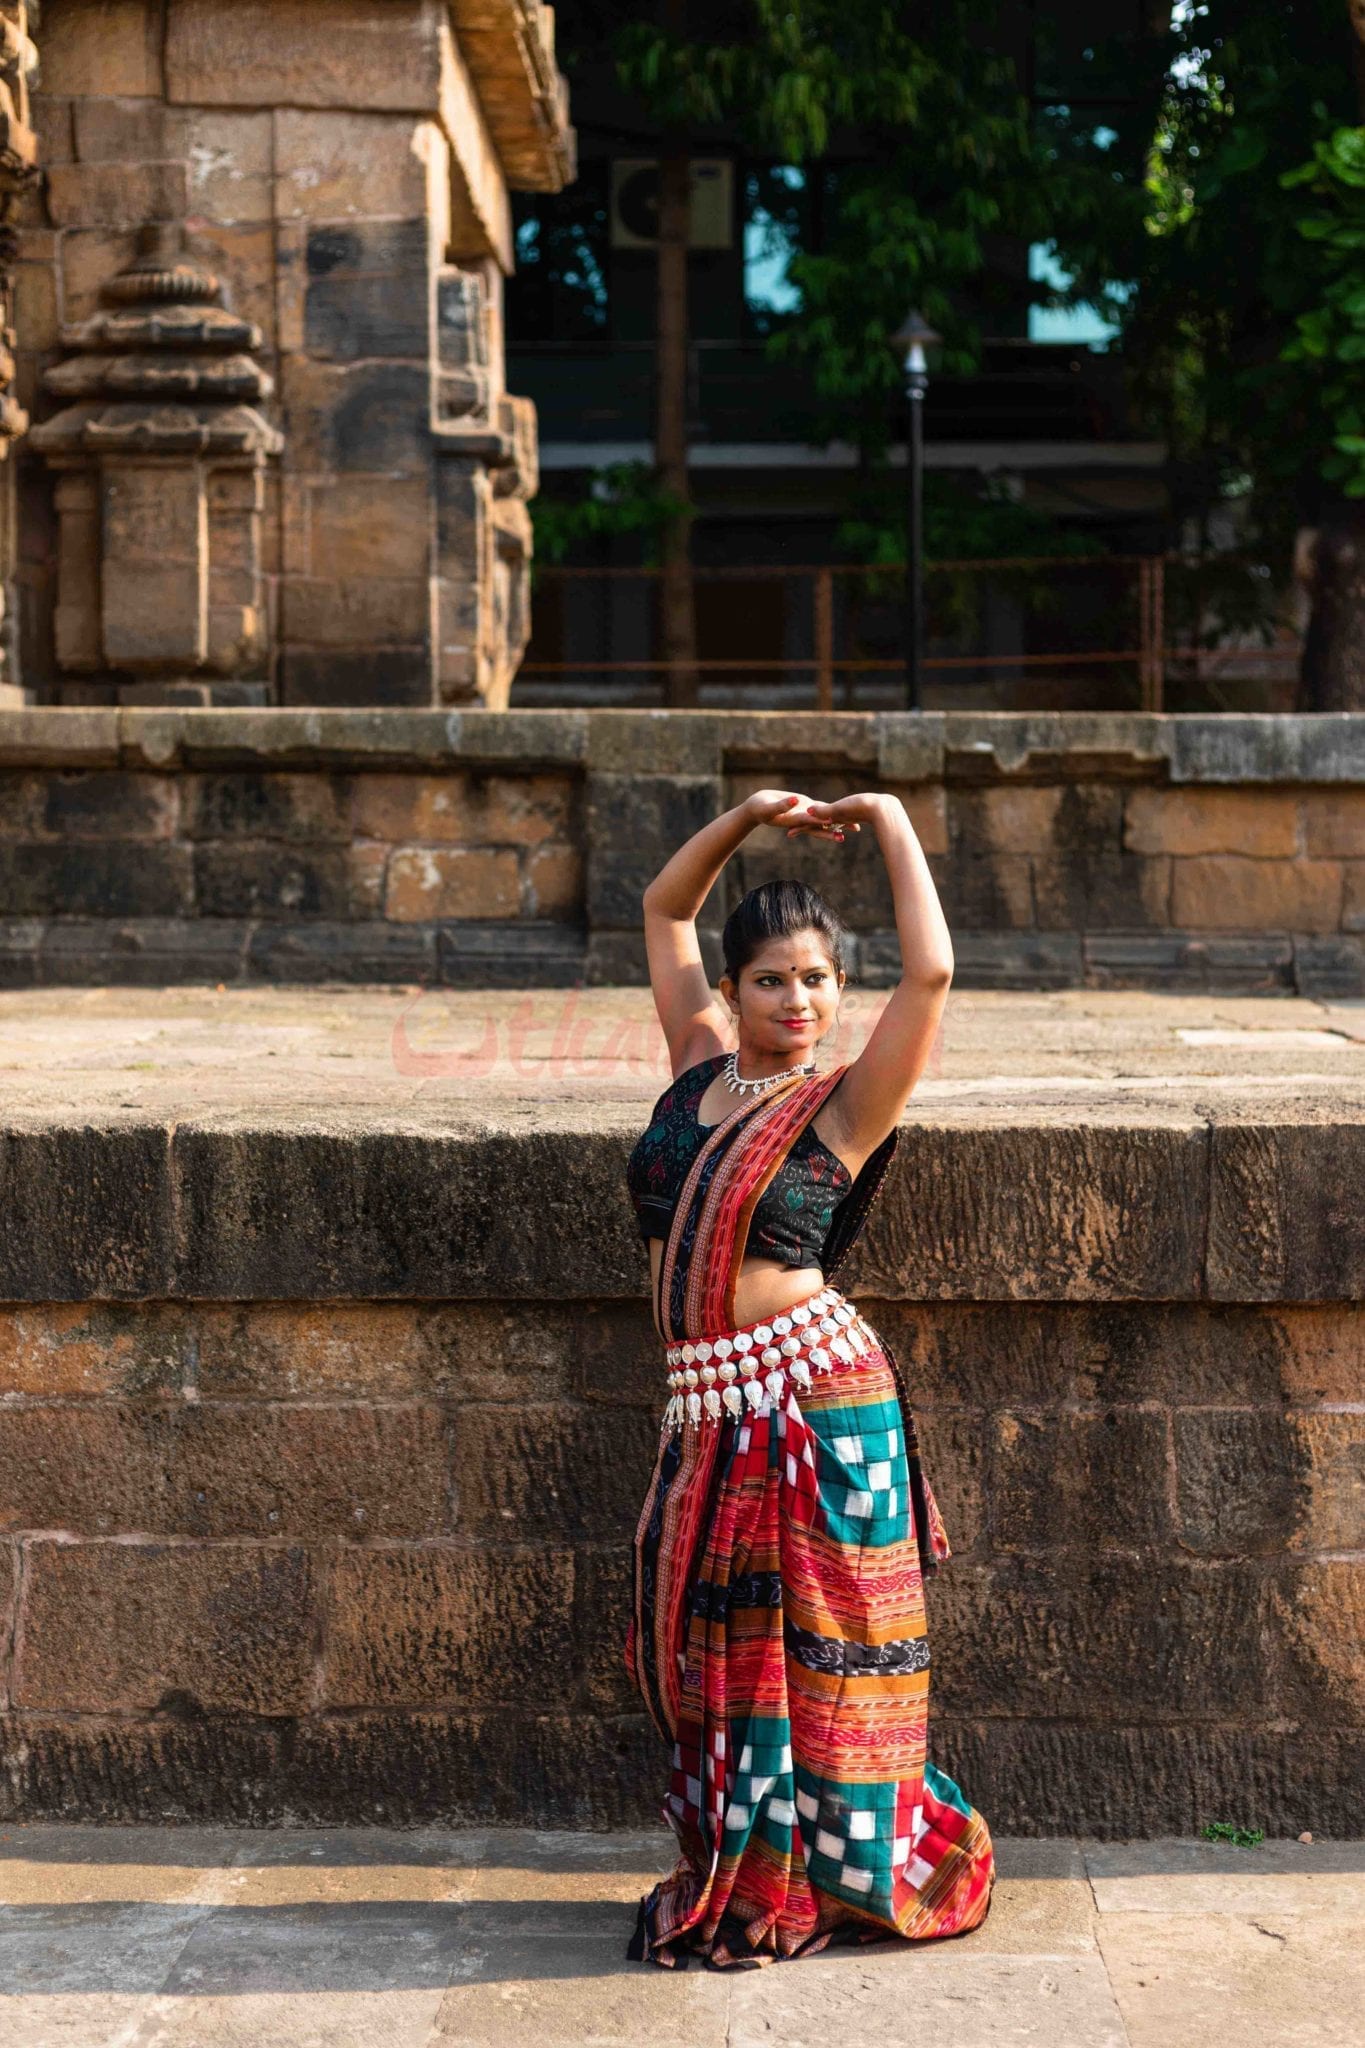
635 202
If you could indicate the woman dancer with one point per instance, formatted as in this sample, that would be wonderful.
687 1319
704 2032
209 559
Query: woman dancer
778 1633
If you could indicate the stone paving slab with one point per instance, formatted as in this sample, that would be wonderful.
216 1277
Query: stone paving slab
358 1938
386 1052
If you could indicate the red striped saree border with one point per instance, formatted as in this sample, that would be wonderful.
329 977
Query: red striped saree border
747 1112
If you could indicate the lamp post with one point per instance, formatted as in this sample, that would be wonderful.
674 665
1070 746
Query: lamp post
911 341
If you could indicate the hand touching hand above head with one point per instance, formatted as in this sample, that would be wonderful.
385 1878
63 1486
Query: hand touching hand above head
790 811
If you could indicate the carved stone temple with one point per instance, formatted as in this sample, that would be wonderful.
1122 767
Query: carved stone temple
259 295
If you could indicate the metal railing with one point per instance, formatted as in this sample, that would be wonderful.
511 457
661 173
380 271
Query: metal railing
988 617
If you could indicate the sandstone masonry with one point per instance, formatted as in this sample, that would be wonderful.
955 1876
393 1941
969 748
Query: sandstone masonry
341 173
317 1481
511 849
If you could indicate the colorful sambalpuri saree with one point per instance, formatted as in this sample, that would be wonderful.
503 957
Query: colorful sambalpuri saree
778 1634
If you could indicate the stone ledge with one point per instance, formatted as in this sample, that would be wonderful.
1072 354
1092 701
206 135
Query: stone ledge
1029 1775
894 746
1159 1201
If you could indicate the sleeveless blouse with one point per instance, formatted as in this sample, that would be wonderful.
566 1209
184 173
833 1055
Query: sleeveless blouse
795 1213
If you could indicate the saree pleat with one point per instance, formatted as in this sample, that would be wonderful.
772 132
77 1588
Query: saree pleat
778 1634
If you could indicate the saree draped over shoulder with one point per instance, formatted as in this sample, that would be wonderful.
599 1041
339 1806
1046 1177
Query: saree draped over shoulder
778 1631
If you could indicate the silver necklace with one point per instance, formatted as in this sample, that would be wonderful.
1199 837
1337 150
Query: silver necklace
738 1086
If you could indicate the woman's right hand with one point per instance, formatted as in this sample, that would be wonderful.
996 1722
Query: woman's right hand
789 810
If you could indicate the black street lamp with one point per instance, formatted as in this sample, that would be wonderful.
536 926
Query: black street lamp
911 341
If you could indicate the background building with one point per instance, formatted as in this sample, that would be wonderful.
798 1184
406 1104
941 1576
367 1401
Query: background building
260 321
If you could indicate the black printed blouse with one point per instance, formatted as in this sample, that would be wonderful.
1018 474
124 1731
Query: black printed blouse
794 1214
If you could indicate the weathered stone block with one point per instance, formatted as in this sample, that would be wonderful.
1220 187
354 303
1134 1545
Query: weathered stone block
86 1348
249 804
278 1350
142 951
1242 1481
112 48
333 166
359 1470
602 1604
990 959
438 882
1093 1481
1334 823
37 315
311 1214
1079 891
1227 891
89 258
122 131
92 1470
281 53
414 1770
1257 822
552 1471
554 881
375 527
1332 1449
1013 1214
1177 960
1284 1218
356 417
404 807
616 1352
358 952
385 676
123 195
464 807
356 611
111 805
1330 970
128 1626
9 1596
1054 1356
1315 1626
370 291
927 810
234 880
443 1626
986 891
1128 1642
23 800
1353 905
149 879
955 1445
230 158
51 120
628 819
996 821
1045 1777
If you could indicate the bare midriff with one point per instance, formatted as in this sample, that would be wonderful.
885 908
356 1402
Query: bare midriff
762 1286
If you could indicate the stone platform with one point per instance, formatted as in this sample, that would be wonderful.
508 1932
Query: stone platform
199 1938
330 1390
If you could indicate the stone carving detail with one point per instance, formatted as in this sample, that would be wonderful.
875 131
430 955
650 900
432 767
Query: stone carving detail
488 442
160 455
18 171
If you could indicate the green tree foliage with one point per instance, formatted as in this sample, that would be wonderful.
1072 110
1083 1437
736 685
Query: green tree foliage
1240 255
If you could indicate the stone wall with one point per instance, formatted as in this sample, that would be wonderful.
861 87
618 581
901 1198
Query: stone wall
512 849
316 1485
340 173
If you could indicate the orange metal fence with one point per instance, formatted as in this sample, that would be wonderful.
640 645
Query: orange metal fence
1130 593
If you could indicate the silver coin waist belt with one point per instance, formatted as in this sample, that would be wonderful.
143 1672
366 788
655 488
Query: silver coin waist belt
712 1377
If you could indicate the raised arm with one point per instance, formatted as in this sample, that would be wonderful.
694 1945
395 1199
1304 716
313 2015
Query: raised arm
868 1102
694 1024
